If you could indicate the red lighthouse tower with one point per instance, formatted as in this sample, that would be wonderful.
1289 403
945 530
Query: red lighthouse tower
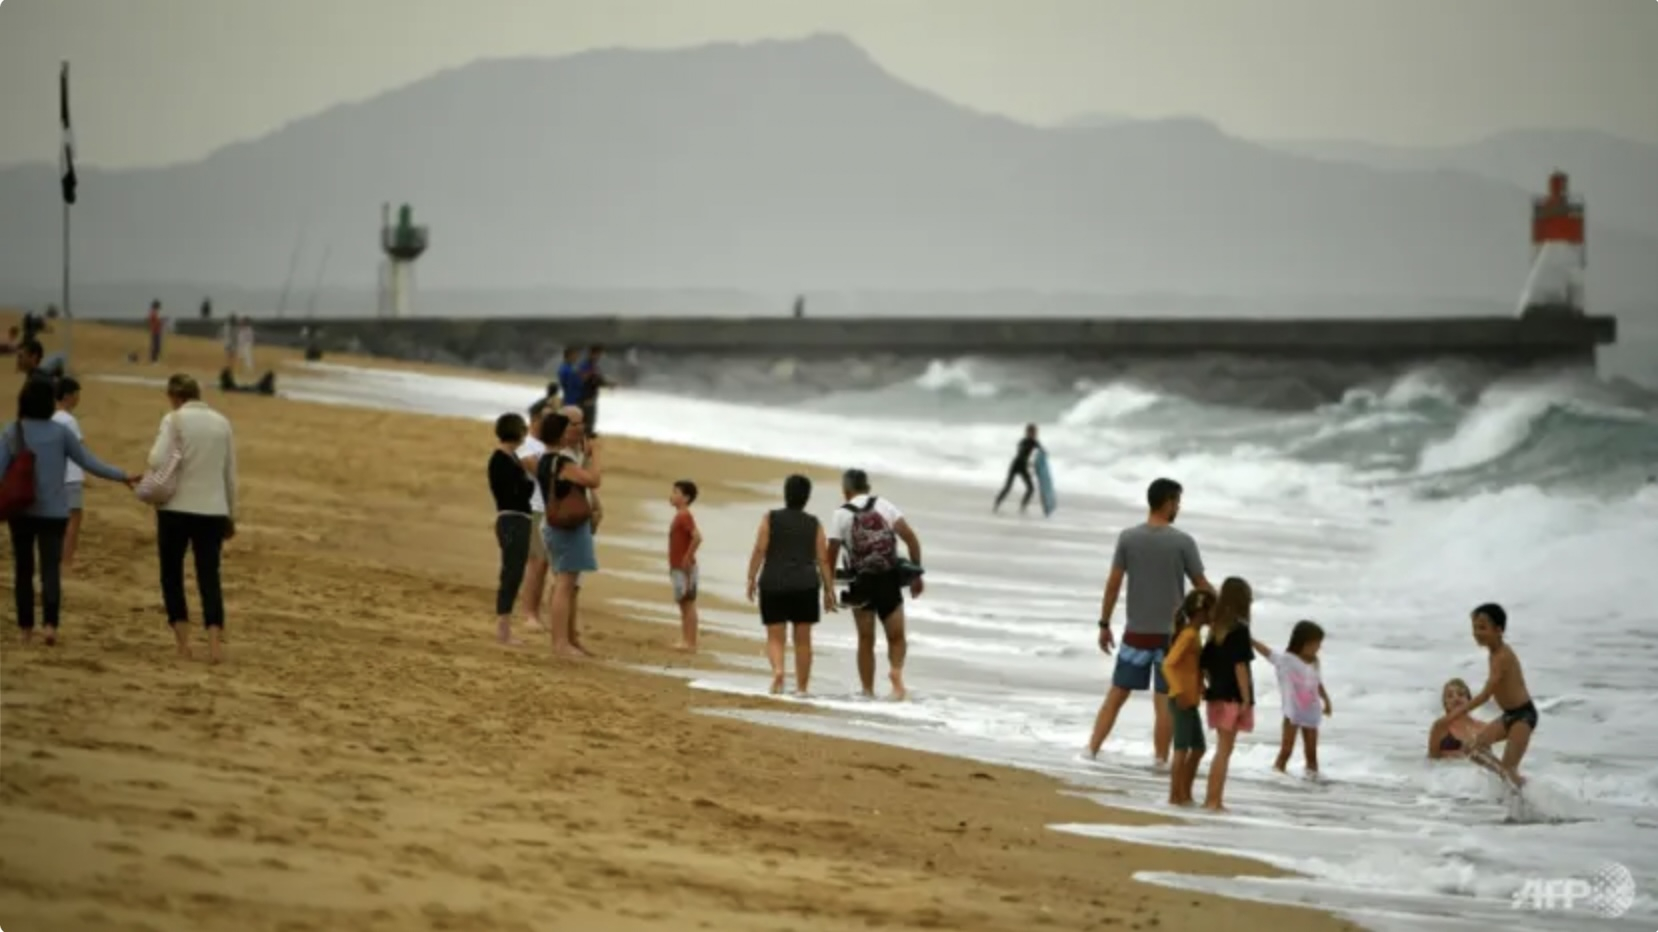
1559 255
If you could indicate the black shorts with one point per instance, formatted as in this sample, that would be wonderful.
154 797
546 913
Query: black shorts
800 607
881 593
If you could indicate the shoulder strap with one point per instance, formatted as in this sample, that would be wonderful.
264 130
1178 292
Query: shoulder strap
869 504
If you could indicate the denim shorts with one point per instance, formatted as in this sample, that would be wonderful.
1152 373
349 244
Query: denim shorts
570 550
1138 669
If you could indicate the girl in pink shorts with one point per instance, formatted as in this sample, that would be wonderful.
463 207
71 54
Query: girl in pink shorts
1229 699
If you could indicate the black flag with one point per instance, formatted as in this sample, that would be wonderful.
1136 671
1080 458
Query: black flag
69 180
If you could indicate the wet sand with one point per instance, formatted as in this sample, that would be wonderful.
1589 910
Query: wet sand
369 759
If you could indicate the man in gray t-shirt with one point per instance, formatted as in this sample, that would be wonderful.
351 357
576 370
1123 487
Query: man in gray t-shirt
1158 559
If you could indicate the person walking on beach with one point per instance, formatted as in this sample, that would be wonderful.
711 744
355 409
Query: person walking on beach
227 336
789 564
199 515
511 488
37 503
1020 469
567 473
534 589
1157 559
74 479
157 327
867 529
684 540
244 345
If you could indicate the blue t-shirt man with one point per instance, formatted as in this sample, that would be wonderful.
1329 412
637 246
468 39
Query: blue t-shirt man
571 388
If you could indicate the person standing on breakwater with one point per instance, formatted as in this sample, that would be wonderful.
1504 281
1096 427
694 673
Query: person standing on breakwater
511 487
789 563
198 514
42 508
1020 469
868 529
1158 559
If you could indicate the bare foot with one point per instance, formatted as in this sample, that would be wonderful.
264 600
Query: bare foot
215 646
51 637
27 635
569 652
777 684
534 624
181 634
899 693
685 648
503 634
1214 807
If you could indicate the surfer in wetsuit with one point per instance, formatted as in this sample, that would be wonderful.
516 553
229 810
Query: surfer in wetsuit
1020 468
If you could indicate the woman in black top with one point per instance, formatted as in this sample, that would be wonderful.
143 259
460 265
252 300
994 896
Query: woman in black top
514 522
790 562
1230 695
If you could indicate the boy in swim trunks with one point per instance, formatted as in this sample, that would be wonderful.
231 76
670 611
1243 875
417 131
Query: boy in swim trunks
1507 684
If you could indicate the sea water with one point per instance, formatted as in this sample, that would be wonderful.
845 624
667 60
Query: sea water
1386 517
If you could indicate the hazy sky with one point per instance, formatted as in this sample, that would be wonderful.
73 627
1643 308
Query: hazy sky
164 80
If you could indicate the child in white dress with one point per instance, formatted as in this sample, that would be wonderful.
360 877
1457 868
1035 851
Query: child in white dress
1301 687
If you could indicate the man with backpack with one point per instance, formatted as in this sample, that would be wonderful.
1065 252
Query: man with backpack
867 529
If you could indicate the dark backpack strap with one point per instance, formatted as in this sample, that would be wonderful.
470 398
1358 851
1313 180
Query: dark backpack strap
869 504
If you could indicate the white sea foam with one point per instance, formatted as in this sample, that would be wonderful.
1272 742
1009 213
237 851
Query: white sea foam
1004 667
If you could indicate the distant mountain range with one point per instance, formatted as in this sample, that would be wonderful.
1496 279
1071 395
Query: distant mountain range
803 165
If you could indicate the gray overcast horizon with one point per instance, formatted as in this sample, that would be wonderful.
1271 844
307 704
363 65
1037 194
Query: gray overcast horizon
160 81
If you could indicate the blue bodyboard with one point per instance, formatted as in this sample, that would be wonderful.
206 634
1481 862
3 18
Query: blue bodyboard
1045 483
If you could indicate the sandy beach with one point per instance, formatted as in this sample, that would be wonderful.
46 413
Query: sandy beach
369 759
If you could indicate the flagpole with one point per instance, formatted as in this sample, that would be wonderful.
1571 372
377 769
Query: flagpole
68 183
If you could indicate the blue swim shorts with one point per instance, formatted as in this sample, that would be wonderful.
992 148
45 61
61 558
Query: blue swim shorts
1138 668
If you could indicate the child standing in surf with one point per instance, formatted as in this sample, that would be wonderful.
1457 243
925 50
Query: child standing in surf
1301 687
1507 684
1230 696
1183 672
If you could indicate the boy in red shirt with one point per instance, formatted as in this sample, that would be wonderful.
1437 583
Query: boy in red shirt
683 541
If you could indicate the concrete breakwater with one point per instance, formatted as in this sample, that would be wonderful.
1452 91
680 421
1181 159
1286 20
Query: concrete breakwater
1327 356
1500 341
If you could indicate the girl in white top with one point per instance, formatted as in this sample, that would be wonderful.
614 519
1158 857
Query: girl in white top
1301 687
74 477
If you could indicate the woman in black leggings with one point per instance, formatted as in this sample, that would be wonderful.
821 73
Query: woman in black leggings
514 521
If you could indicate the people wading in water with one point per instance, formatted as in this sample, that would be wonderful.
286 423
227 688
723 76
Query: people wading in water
1020 469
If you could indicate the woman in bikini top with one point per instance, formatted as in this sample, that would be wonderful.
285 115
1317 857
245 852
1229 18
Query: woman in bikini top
1451 739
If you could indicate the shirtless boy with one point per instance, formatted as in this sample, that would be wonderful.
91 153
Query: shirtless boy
1506 683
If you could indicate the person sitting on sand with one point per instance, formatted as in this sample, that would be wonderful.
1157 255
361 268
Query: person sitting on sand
514 522
567 475
789 564
683 542
1507 684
